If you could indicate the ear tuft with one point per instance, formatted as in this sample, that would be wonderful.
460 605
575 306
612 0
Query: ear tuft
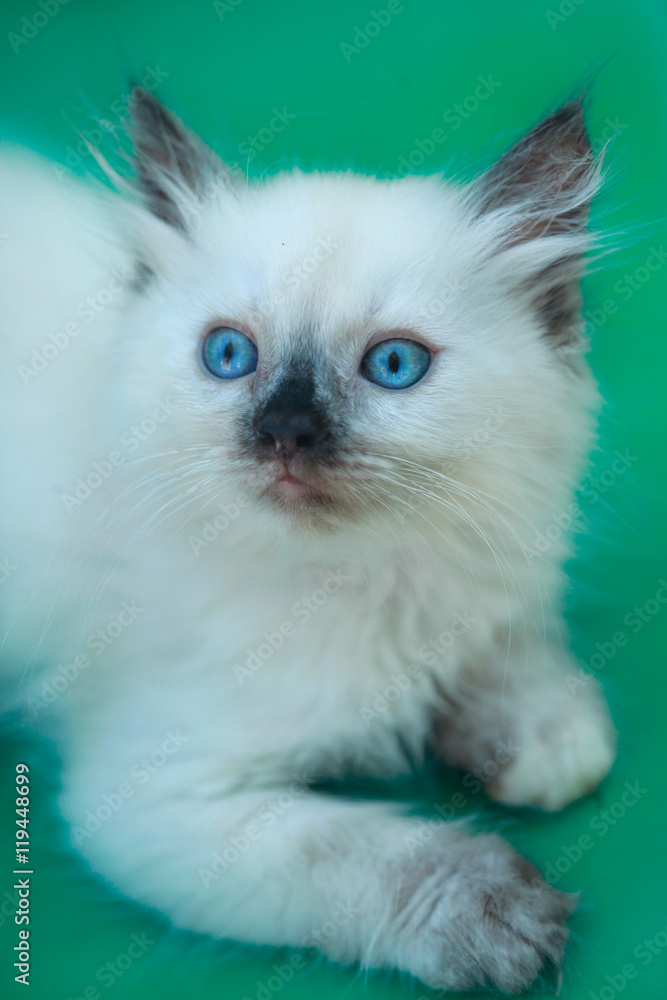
173 166
547 180
542 189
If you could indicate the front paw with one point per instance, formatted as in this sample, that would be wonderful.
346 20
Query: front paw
564 757
482 916
562 740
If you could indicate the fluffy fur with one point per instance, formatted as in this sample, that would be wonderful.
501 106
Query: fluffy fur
204 645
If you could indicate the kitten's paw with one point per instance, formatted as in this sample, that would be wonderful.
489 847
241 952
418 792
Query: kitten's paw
486 917
559 761
533 740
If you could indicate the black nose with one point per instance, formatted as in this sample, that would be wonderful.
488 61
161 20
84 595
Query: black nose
288 434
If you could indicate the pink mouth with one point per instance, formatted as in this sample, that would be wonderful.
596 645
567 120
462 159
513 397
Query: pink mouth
288 487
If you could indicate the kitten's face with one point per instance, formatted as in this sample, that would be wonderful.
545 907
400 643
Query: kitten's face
337 344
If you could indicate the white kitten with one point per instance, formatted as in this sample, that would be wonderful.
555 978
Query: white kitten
253 548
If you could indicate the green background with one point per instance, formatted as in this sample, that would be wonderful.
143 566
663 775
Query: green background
225 75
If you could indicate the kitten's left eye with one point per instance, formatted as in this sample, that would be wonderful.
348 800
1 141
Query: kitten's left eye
396 364
229 353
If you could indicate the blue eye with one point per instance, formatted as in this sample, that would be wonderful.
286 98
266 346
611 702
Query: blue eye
396 364
228 353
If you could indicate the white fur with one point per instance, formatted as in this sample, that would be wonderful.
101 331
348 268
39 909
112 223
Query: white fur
403 255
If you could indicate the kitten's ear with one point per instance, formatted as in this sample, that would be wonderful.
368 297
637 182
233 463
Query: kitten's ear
543 188
546 181
174 168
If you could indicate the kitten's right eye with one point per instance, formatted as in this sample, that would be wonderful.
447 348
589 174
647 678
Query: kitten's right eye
396 364
228 353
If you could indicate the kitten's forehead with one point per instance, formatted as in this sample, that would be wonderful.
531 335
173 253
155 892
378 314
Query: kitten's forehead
337 251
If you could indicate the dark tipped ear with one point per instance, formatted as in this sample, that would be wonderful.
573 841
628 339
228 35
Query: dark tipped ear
541 188
548 178
173 166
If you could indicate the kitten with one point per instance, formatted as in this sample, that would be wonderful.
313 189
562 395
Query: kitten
283 455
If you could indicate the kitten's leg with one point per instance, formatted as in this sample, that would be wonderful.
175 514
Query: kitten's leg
532 728
358 880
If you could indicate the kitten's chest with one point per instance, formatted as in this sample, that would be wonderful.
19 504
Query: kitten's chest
323 670
335 667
